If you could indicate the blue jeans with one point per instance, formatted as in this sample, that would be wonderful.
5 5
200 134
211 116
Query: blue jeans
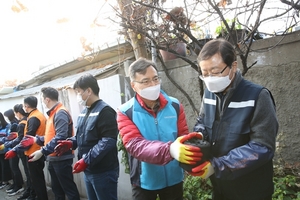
62 181
102 186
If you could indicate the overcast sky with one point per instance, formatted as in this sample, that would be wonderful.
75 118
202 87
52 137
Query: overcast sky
49 31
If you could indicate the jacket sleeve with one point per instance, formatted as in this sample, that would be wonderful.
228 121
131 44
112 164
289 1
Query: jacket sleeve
12 143
20 130
199 126
98 151
154 152
181 122
259 150
241 160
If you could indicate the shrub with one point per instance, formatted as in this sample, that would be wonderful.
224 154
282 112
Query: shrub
286 187
196 188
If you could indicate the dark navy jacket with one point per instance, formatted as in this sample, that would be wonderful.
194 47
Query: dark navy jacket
96 137
243 168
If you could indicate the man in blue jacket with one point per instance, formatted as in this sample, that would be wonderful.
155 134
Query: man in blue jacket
153 129
238 118
95 140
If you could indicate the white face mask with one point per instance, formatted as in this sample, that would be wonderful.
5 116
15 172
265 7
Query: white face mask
45 107
80 101
150 93
217 84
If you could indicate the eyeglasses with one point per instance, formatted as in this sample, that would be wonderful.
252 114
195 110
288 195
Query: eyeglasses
147 82
212 74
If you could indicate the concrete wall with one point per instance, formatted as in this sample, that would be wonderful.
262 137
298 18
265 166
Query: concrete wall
278 69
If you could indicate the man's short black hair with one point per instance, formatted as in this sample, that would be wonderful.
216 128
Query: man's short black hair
140 66
87 81
220 46
31 101
50 92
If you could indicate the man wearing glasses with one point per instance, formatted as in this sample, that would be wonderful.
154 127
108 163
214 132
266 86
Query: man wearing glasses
153 127
238 118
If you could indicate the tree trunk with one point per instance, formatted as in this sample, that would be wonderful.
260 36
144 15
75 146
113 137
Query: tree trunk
137 40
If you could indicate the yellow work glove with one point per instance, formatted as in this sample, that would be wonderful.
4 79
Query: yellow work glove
204 170
186 153
2 147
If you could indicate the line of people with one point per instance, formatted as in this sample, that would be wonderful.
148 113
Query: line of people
53 140
237 118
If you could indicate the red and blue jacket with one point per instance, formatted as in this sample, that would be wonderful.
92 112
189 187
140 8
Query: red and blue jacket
147 136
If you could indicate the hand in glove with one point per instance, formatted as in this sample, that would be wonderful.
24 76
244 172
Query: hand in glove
35 156
27 141
79 166
10 154
2 147
185 153
204 170
12 136
63 146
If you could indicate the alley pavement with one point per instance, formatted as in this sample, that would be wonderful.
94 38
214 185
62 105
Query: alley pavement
4 196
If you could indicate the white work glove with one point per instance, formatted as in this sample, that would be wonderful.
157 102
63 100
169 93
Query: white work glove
35 155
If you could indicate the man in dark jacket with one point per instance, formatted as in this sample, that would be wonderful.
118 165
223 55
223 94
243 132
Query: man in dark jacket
95 140
238 118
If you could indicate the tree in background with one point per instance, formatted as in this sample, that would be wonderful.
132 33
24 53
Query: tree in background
155 26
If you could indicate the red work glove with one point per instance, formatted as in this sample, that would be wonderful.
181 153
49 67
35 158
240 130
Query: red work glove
186 153
79 166
12 136
194 135
204 170
10 154
63 146
27 141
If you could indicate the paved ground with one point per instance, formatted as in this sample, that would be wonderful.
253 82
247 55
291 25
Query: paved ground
4 196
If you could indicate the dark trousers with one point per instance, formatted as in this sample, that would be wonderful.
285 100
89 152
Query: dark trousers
174 192
62 181
5 172
16 172
24 160
38 178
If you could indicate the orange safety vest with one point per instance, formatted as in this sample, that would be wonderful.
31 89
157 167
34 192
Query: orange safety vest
50 128
40 131
22 122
